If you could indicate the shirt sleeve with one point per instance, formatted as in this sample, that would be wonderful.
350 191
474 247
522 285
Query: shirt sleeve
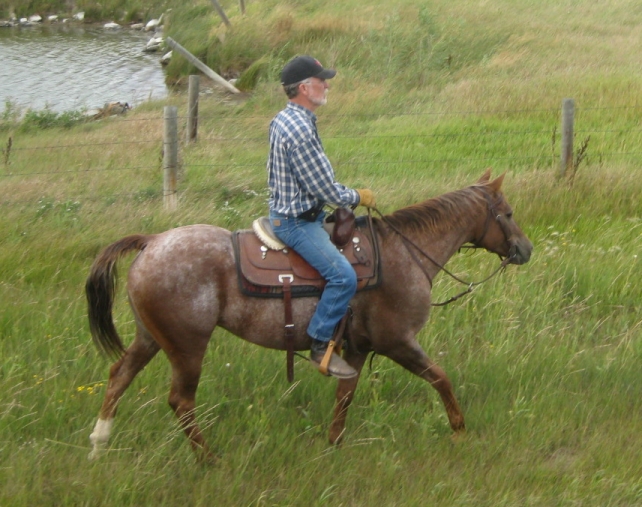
315 175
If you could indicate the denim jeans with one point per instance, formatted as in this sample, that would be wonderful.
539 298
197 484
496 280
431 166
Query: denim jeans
312 242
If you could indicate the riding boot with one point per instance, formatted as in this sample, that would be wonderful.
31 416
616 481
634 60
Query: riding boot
336 367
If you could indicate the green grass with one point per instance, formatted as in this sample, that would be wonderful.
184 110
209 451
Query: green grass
544 359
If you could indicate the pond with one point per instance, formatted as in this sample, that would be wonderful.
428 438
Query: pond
74 67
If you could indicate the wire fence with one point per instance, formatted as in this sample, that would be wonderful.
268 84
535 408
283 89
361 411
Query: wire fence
615 144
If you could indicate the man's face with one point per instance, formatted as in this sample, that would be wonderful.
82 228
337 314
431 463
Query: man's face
317 90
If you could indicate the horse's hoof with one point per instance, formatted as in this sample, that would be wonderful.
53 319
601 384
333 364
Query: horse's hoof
336 437
208 458
459 436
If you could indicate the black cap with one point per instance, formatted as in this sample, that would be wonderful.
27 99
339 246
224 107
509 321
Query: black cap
303 67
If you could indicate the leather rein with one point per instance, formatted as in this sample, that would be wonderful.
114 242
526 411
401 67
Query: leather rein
413 248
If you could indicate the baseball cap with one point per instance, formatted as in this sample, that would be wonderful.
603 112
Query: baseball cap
303 67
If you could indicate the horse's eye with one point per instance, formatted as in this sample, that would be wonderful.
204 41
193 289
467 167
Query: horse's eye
509 215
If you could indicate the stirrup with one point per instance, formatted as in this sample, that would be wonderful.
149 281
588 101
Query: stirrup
325 362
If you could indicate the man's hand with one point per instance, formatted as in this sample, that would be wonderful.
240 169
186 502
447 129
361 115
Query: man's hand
366 198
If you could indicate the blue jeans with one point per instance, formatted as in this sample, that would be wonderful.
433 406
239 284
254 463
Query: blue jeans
312 242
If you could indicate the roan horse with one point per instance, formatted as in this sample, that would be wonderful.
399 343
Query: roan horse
183 284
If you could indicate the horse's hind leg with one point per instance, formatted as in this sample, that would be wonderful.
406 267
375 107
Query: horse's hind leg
345 394
121 374
186 373
412 357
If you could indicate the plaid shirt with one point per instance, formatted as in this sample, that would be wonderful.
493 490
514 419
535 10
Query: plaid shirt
300 175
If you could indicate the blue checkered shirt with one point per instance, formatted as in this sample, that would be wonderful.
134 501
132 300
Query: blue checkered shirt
300 175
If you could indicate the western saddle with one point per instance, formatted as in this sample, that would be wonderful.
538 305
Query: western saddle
267 268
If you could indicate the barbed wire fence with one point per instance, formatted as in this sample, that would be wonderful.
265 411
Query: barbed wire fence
165 134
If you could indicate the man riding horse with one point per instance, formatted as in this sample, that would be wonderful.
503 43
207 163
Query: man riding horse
302 181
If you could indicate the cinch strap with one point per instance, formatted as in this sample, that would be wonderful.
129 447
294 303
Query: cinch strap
289 325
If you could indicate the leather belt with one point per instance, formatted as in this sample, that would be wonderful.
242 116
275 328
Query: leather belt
311 214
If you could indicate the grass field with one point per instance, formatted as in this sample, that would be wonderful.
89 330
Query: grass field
545 359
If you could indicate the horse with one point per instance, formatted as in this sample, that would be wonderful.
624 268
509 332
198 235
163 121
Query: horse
183 284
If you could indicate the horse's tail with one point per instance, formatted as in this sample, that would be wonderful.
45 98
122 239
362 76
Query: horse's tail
100 290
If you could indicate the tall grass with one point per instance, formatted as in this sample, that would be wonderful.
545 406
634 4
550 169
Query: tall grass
544 358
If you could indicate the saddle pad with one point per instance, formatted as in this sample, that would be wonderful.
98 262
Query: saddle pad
261 270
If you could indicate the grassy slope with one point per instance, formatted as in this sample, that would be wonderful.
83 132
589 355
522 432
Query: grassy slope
545 359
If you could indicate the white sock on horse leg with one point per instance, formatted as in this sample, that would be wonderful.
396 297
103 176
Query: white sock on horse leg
100 436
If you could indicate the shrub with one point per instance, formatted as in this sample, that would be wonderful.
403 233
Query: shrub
251 76
46 118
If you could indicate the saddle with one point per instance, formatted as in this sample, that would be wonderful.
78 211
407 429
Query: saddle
265 265
267 268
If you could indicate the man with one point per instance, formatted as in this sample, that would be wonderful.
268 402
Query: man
301 181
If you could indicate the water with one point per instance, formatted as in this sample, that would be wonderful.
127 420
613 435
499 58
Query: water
71 67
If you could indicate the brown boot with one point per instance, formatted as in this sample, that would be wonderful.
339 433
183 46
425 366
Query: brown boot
336 366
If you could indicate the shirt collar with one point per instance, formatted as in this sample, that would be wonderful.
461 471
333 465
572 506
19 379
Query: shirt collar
304 110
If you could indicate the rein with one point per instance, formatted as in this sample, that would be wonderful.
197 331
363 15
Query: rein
408 243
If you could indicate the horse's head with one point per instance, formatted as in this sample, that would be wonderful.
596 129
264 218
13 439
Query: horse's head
499 233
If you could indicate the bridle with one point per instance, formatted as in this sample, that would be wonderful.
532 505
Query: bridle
503 225
413 248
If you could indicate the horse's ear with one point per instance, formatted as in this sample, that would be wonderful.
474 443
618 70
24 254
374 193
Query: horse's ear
496 184
485 177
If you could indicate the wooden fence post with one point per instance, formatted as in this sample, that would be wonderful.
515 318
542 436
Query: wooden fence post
568 118
221 12
192 109
200 65
170 157
242 5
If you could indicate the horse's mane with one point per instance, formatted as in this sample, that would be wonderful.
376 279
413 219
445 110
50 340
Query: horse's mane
445 211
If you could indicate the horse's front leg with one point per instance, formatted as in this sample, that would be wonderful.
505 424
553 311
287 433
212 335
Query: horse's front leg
411 356
345 394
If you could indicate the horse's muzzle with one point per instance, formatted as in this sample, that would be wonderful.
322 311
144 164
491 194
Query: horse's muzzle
520 251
